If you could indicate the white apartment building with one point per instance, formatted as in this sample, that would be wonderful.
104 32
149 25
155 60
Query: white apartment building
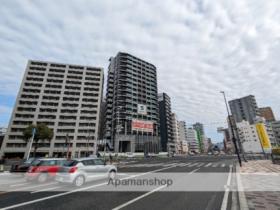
175 133
192 140
249 137
66 98
183 136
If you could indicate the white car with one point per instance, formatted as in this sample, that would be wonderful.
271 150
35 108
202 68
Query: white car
79 171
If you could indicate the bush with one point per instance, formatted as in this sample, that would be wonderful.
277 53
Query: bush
276 151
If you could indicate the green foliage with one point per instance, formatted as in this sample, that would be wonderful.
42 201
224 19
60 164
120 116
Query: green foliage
43 133
276 151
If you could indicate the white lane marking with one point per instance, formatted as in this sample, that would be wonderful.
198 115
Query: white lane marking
138 198
146 194
194 171
209 164
215 165
225 199
77 190
223 165
15 185
43 190
31 187
194 164
200 164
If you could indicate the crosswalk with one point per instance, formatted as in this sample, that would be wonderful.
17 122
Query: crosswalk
192 164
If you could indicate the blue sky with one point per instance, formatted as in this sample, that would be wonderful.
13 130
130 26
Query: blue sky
199 47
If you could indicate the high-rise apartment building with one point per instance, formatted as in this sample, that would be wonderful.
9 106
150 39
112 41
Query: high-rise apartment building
165 121
67 99
244 109
132 121
267 114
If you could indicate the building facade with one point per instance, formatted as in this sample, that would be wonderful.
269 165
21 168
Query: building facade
192 140
267 114
244 109
64 97
132 120
183 136
249 137
200 135
176 147
276 131
165 121
2 135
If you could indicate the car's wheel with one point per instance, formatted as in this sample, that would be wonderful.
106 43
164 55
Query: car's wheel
42 177
79 181
112 174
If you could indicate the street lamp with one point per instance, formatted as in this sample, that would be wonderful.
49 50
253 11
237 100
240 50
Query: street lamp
232 131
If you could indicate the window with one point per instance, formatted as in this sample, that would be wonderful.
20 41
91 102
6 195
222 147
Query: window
98 162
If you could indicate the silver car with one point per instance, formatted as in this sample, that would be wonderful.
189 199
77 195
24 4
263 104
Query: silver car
81 170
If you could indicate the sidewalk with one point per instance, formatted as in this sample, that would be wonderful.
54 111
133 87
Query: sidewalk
260 200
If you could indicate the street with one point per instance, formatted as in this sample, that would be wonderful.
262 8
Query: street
51 195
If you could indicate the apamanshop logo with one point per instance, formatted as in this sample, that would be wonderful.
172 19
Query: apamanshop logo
140 182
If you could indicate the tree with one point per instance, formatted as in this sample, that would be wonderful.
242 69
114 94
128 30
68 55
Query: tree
43 133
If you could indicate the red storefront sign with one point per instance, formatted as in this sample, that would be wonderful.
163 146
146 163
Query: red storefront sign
141 125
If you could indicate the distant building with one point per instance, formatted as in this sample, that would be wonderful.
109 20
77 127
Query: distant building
276 131
200 135
192 140
244 108
66 98
267 114
229 147
165 121
183 136
176 147
2 135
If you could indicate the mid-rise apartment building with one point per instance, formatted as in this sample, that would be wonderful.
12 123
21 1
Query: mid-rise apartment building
165 121
176 146
249 137
192 140
132 119
267 114
183 136
244 108
67 99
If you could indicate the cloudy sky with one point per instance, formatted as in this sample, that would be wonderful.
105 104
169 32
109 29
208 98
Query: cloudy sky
198 46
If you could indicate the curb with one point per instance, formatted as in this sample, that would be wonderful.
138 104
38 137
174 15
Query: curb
241 194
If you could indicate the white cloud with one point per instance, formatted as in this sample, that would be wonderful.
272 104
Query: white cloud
199 47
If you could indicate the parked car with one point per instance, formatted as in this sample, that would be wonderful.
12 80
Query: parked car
44 169
22 166
79 171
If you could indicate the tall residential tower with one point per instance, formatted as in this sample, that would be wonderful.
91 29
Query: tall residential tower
132 105
165 121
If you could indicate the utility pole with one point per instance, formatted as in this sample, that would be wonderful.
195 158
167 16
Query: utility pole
68 146
31 142
232 130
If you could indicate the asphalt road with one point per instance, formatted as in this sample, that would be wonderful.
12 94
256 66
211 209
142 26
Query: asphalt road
50 195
